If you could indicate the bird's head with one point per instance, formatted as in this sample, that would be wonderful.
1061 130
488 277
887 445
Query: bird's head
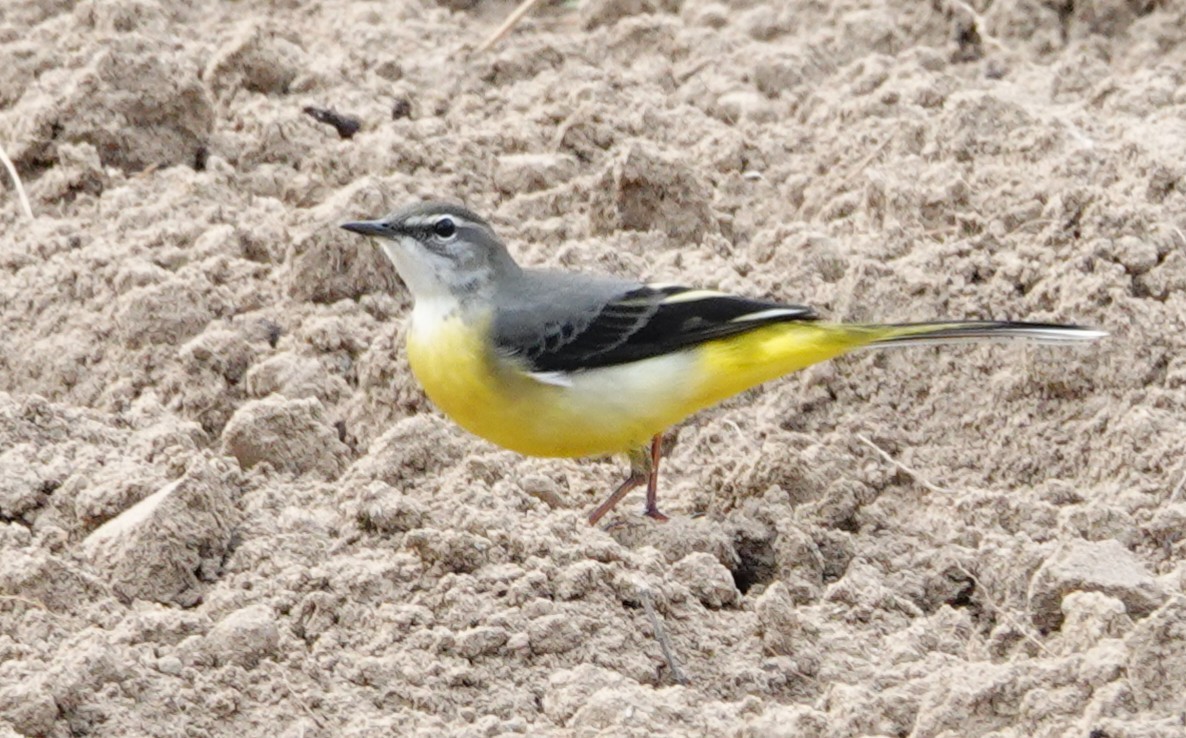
440 250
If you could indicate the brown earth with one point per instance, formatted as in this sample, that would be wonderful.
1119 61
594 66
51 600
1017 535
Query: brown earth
227 509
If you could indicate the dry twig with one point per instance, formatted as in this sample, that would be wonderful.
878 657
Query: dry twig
1178 489
677 674
1026 632
903 468
16 181
511 21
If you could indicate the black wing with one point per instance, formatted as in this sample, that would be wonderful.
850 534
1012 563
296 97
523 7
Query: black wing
640 323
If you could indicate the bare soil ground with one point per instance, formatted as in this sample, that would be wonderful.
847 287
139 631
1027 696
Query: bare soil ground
227 509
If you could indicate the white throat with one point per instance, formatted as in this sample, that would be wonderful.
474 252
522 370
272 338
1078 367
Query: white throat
416 269
430 315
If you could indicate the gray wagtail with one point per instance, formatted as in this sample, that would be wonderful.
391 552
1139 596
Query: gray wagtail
555 363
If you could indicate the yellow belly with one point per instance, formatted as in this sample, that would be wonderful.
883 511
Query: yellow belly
495 398
606 410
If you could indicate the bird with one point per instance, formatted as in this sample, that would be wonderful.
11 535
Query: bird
558 363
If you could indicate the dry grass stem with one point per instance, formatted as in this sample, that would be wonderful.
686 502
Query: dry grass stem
16 181
511 21
677 674
903 468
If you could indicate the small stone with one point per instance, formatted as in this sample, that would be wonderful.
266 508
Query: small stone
707 578
787 721
170 665
1089 617
744 105
244 637
554 634
1157 660
345 125
22 490
138 101
384 509
1092 566
577 580
1138 255
165 546
780 627
569 689
542 488
519 643
292 375
291 435
450 550
709 15
28 706
645 189
480 641
533 172
596 13
162 314
258 59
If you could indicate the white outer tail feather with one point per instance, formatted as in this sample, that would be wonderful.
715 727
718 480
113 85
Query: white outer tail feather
976 332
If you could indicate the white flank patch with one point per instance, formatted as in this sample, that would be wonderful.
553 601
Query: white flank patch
558 379
768 314
640 388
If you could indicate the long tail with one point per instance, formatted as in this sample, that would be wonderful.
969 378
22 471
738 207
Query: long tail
968 331
735 364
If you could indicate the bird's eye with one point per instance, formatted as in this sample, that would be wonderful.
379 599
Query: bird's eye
444 228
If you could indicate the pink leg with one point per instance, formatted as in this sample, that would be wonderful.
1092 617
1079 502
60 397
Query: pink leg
652 508
623 489
644 468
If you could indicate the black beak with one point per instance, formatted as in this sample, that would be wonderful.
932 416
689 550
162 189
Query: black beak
369 228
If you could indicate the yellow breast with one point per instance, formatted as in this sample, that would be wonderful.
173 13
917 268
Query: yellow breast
598 412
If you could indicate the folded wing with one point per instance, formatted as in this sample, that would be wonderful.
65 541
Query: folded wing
569 328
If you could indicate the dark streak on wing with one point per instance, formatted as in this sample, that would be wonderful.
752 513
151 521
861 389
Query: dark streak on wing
634 325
